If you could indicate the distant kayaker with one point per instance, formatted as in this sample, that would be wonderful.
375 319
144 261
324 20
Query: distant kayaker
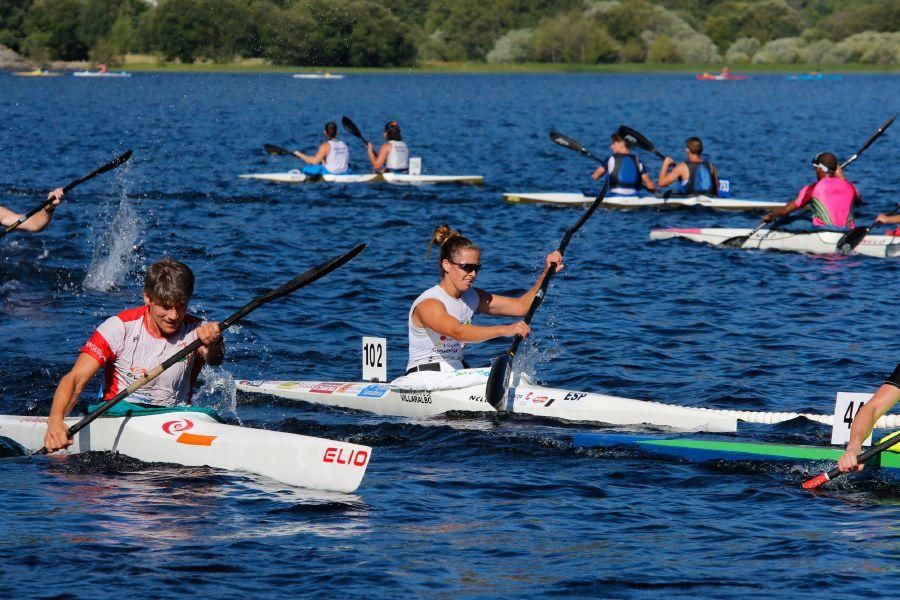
694 176
440 320
39 221
332 158
393 156
135 341
832 198
626 172
864 421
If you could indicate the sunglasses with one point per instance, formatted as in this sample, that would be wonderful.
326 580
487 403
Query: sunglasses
467 267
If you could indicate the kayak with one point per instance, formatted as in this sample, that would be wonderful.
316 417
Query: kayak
296 176
814 242
574 199
317 76
813 76
704 449
720 77
101 74
197 439
526 398
36 73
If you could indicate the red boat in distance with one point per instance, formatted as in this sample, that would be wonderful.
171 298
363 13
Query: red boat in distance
723 76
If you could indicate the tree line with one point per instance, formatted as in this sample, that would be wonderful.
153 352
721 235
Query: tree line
370 33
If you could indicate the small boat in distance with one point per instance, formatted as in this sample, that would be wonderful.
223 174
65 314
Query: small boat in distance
103 72
318 75
36 73
723 76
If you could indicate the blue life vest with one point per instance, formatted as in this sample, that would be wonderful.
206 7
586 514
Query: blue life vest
700 180
626 173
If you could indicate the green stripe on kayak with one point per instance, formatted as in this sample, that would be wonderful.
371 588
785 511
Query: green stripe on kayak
128 409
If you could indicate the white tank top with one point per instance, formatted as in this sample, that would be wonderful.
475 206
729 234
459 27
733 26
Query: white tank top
427 346
398 159
338 159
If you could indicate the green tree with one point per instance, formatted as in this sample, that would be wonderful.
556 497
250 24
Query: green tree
764 21
12 22
876 15
570 38
53 25
190 29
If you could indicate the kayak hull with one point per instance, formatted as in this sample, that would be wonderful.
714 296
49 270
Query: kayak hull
628 202
99 74
817 242
296 176
196 439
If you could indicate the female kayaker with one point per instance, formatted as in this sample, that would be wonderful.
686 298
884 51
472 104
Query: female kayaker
333 157
440 320
393 156
626 172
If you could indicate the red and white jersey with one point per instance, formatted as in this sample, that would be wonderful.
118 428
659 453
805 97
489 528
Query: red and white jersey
125 348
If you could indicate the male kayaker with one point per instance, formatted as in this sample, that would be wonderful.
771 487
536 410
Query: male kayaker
626 172
694 176
864 421
332 158
832 198
393 156
39 221
440 320
131 343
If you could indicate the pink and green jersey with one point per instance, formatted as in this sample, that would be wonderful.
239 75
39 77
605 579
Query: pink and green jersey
831 200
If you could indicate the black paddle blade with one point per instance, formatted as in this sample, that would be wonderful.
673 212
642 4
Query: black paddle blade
351 127
852 239
107 167
635 138
277 150
567 142
10 448
498 381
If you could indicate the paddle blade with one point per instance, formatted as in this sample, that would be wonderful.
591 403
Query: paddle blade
350 126
107 167
635 138
817 481
868 143
498 381
567 142
852 239
277 150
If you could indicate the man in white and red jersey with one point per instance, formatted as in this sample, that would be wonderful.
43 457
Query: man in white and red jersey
832 198
131 343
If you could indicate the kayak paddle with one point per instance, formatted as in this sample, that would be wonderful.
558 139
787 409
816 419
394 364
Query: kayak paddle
739 240
567 142
868 143
637 139
277 150
351 127
107 167
293 285
501 368
856 235
823 478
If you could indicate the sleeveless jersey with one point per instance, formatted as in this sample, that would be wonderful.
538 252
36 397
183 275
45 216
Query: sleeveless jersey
625 172
398 159
427 346
701 180
338 159
125 348
831 200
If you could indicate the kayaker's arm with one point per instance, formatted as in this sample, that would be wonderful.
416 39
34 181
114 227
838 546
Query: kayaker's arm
864 421
667 177
433 315
599 172
65 398
39 221
648 182
379 160
213 349
803 197
505 306
318 158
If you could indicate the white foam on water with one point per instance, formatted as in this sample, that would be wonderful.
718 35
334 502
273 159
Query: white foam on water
115 253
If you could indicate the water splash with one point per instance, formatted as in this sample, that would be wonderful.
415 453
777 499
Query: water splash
115 254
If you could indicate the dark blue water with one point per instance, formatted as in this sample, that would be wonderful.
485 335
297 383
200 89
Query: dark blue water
462 506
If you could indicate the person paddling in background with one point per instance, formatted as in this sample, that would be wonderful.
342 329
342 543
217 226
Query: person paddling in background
40 220
694 176
832 198
135 341
626 172
332 158
440 320
864 421
393 156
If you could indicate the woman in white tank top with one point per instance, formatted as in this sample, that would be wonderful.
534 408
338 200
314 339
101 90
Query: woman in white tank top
393 156
440 319
332 158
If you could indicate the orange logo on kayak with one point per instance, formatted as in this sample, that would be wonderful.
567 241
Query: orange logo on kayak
191 439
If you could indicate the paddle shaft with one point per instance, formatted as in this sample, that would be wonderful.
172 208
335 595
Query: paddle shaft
572 144
291 286
868 143
823 478
108 166
640 140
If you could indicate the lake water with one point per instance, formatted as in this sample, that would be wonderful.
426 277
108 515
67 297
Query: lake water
459 506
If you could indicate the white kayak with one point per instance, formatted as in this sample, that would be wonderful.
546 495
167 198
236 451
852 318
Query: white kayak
317 76
816 242
526 398
296 176
101 74
197 439
611 201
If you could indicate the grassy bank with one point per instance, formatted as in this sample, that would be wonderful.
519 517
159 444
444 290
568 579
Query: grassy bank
148 64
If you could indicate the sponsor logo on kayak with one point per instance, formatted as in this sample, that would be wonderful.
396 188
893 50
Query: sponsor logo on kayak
373 391
180 427
476 398
325 387
350 388
574 396
342 456
536 399
416 397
